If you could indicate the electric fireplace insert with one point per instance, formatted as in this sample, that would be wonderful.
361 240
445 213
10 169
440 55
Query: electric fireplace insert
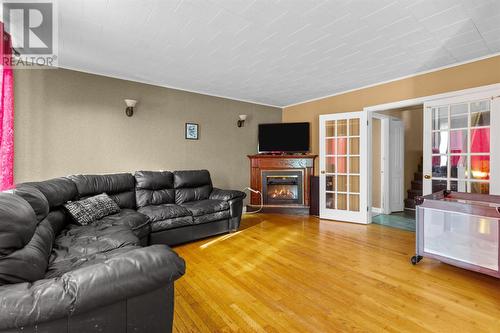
282 187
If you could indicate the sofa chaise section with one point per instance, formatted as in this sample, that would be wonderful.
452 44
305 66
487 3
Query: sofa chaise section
121 188
56 276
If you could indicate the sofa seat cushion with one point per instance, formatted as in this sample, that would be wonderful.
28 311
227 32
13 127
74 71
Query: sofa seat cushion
204 207
223 214
137 222
173 223
167 216
164 212
226 195
68 264
77 246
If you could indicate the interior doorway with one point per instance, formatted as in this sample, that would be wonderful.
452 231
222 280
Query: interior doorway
397 150
464 160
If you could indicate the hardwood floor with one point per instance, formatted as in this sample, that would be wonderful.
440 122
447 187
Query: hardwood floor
283 273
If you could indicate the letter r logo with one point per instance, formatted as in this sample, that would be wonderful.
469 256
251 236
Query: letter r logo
30 25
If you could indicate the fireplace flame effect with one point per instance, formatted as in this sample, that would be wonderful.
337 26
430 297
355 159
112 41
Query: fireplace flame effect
282 193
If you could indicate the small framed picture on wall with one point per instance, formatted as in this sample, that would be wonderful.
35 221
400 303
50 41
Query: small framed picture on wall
191 131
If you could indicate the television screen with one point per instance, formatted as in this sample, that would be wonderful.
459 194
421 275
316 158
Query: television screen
284 138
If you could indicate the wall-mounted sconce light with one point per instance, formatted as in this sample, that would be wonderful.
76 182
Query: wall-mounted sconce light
241 120
129 111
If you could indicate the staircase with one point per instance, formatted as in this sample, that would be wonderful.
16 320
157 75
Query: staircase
416 188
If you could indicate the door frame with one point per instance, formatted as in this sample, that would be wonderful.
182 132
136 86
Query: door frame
384 161
393 146
369 110
385 167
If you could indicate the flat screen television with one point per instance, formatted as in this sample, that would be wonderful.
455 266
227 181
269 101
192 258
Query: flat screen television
284 138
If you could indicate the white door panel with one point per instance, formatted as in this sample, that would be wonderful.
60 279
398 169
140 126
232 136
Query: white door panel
343 167
461 144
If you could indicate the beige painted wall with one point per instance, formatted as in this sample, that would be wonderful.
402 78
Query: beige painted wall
69 122
465 76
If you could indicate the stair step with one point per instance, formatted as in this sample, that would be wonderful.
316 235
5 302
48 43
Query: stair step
409 203
438 188
414 193
416 185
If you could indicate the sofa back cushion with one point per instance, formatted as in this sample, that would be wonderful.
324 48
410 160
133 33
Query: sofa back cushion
35 198
29 263
154 188
192 185
17 223
120 187
57 191
26 242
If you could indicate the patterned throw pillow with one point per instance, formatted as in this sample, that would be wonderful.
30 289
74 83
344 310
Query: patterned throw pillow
92 209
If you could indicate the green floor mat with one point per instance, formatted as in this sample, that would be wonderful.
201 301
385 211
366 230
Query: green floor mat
404 220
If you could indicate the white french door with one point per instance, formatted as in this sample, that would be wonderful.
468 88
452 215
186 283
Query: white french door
343 167
461 148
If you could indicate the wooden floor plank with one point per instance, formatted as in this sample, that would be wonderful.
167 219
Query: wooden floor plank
285 273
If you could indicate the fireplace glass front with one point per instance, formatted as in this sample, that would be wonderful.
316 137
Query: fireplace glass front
282 187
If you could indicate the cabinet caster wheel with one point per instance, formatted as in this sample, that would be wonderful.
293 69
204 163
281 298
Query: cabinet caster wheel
415 259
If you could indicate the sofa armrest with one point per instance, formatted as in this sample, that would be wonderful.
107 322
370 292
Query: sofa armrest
235 200
118 278
226 195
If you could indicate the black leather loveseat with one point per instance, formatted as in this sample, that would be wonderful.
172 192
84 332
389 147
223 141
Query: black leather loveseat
56 276
183 206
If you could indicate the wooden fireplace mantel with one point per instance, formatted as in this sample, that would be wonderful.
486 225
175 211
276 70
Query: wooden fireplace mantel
260 163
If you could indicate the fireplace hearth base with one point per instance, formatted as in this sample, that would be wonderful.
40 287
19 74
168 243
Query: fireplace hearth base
293 210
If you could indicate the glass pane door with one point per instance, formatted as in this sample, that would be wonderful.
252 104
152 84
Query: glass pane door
341 158
460 139
461 142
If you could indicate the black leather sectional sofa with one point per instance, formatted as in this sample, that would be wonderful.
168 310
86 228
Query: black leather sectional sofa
116 274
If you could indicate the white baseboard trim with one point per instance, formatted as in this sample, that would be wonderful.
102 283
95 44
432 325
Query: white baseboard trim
376 211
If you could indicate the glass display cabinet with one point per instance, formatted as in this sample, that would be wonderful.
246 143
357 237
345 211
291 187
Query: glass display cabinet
460 229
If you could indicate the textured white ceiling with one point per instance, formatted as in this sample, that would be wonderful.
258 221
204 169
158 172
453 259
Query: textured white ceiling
270 51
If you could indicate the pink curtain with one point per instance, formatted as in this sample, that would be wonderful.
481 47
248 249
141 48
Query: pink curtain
6 113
